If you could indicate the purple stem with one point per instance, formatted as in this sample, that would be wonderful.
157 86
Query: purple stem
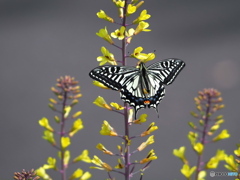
63 168
127 148
204 133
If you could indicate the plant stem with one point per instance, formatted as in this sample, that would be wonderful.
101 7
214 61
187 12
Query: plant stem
127 148
204 133
63 169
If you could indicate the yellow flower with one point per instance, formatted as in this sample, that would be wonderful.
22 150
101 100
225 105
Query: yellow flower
103 33
214 128
119 3
142 26
202 175
103 15
101 85
149 141
75 115
150 56
99 101
139 4
83 157
101 165
42 173
237 152
151 156
220 121
77 125
107 130
116 106
150 129
103 149
67 110
180 153
87 175
66 158
129 35
120 165
137 53
142 119
49 136
44 123
220 154
231 164
212 163
186 171
131 9
53 101
143 16
77 174
192 137
198 147
119 33
51 163
65 142
106 58
120 12
223 135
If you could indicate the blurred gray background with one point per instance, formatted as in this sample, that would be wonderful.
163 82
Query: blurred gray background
43 40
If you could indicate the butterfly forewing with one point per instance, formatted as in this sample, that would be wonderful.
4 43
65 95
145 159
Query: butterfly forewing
167 70
114 77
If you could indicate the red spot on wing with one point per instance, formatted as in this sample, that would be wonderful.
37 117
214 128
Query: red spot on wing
146 102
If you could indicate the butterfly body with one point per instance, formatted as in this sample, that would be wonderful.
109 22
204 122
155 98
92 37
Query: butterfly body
140 87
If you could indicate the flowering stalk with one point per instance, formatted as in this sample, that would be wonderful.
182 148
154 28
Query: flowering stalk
207 103
68 93
125 35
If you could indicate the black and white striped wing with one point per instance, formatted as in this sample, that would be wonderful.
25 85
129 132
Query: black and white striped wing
114 77
137 98
139 87
165 71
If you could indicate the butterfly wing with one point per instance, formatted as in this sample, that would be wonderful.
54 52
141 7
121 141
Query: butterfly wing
123 78
138 99
166 71
139 87
114 77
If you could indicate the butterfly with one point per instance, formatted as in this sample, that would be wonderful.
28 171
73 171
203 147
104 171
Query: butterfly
141 86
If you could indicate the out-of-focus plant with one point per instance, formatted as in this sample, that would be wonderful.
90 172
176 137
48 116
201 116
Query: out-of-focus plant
67 92
26 175
208 102
232 164
127 30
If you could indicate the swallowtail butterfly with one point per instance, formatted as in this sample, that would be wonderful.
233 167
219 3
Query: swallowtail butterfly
140 87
